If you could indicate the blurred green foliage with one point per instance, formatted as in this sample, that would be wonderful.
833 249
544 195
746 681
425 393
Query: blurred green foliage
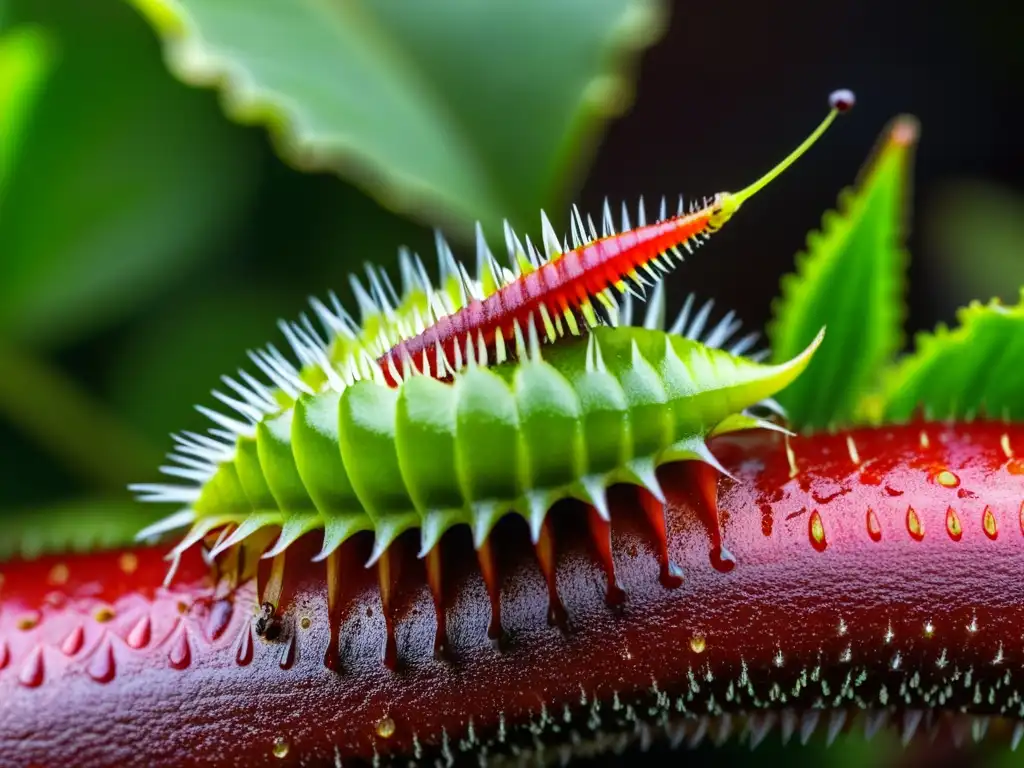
146 240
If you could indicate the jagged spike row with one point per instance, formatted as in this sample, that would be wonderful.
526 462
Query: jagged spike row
197 456
380 349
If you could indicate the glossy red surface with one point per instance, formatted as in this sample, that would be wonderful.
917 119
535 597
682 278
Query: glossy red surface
854 587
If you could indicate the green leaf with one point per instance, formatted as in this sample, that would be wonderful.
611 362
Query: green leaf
975 369
26 57
125 179
462 110
75 526
850 280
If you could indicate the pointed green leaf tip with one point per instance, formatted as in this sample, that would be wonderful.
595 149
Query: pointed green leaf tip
975 369
458 110
26 57
850 280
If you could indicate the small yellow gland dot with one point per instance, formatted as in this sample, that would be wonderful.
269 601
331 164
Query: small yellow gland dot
25 623
280 748
128 563
59 575
947 479
386 728
698 644
306 622
104 614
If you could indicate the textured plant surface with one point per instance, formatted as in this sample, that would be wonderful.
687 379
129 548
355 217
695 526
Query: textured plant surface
497 517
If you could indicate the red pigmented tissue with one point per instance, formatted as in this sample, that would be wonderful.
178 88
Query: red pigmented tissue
869 573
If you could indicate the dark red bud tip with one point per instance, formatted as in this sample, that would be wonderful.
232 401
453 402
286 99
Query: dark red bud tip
842 100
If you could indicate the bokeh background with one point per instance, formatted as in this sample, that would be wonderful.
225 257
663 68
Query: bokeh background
147 239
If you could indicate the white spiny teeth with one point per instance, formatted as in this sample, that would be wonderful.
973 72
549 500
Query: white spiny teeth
190 463
185 473
607 225
471 287
745 343
626 310
548 237
1018 734
759 725
513 245
576 228
591 228
536 260
195 440
626 225
911 720
447 265
410 278
261 361
251 414
725 328
367 306
378 292
655 317
256 396
663 209
836 722
229 425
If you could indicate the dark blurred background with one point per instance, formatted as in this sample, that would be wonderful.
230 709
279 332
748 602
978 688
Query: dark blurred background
146 240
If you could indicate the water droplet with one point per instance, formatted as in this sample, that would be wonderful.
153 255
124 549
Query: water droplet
245 646
140 634
386 728
914 525
953 527
101 666
73 642
31 674
874 527
104 614
816 531
287 657
281 748
180 654
220 618
59 575
929 629
988 523
722 560
947 479
698 644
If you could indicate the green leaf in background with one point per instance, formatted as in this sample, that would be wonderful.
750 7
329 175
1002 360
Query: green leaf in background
80 526
850 280
973 232
125 180
26 56
974 369
455 109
